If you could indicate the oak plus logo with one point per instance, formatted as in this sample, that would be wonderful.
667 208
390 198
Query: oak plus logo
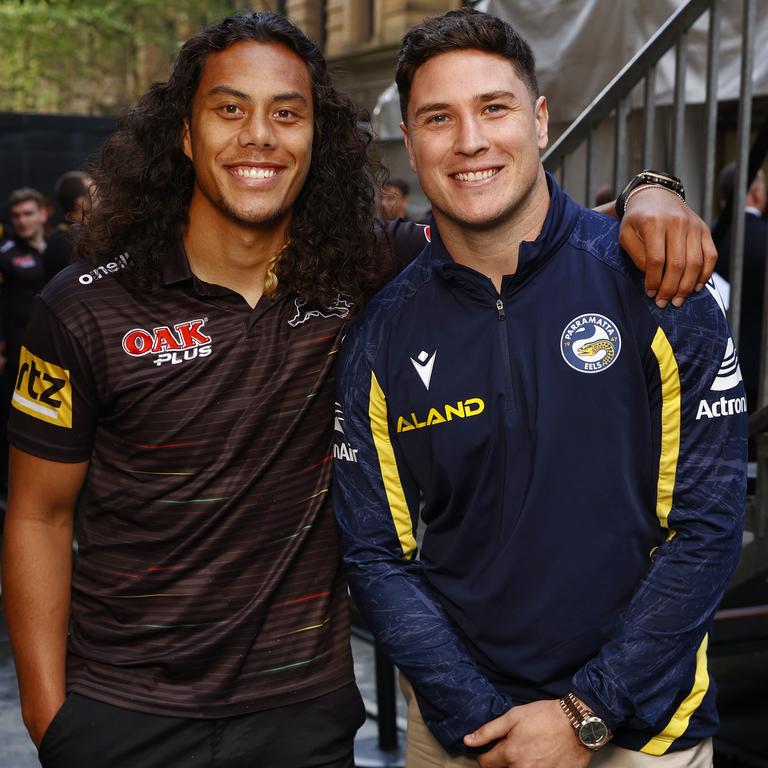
43 390
170 344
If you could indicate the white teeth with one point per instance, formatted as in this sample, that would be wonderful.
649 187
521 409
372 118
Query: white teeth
255 173
476 175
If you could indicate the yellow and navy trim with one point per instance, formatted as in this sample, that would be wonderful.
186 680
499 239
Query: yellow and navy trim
398 506
671 414
678 723
670 425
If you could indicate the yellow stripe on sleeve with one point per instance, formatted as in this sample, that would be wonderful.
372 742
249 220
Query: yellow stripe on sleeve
677 726
670 424
398 507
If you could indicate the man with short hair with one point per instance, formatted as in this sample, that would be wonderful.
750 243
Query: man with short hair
22 276
29 214
575 454
179 381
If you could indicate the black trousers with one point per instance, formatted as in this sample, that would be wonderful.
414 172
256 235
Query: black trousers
312 734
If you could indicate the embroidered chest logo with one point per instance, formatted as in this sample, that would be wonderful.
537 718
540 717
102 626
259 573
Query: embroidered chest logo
174 345
340 308
590 343
424 363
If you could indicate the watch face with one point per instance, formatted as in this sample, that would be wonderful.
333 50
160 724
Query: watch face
593 733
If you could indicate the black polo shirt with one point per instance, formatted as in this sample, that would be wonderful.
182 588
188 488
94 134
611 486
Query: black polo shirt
207 581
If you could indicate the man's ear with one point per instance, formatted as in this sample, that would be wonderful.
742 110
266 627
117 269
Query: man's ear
186 140
408 146
542 121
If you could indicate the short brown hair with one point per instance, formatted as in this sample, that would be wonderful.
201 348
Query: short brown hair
459 30
25 194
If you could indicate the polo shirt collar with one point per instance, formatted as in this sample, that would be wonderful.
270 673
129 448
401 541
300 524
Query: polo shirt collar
176 267
176 270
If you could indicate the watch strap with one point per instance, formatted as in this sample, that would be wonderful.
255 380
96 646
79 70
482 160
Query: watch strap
649 178
574 710
581 716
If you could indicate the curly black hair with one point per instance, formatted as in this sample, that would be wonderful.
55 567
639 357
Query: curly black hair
145 182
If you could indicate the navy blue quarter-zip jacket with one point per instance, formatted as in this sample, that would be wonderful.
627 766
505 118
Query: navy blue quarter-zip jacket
579 459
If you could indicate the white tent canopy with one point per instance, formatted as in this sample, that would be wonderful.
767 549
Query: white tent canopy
580 45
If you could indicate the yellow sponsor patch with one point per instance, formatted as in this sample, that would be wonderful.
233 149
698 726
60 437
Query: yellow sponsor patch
43 390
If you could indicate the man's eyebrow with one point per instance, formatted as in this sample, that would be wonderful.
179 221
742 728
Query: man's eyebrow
436 107
493 95
290 96
226 90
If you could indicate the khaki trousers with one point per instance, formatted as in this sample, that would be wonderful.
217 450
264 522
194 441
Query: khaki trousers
424 751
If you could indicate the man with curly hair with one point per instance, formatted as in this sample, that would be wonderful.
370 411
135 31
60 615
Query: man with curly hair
179 383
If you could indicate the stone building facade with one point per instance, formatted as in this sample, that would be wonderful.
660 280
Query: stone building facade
360 38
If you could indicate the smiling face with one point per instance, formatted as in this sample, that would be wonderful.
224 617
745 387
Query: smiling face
250 134
473 136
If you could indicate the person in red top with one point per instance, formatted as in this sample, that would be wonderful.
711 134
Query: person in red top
179 382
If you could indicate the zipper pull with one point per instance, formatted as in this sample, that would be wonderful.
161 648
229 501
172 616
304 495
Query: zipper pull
500 308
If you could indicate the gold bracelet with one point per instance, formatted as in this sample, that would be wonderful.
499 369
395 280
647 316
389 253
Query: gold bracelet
651 186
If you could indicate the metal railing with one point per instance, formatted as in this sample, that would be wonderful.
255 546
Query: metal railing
613 104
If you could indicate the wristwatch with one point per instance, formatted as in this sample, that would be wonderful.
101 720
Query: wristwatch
591 730
649 178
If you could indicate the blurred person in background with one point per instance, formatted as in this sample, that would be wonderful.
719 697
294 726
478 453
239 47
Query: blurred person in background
22 269
75 194
393 199
753 285
22 276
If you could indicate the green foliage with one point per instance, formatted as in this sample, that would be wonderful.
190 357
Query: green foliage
92 56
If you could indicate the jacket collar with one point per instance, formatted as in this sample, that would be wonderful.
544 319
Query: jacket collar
561 218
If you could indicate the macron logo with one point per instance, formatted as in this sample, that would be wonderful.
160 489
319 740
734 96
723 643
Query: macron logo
424 363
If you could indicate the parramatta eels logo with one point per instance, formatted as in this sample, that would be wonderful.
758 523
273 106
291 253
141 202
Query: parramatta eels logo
590 343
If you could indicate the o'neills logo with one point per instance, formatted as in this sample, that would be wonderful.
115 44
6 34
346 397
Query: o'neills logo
461 410
103 270
174 345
